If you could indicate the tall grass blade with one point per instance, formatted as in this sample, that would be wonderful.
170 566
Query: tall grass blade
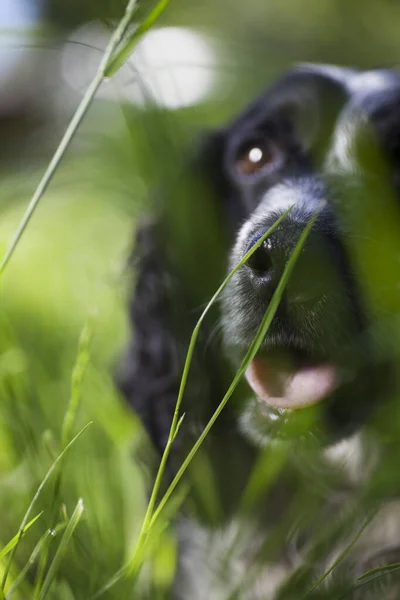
72 128
134 565
77 377
66 538
176 421
78 374
149 521
250 354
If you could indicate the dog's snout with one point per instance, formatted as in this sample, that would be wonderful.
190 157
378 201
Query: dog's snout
313 273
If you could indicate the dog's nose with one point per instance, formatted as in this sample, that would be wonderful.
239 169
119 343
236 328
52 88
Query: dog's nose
267 260
312 272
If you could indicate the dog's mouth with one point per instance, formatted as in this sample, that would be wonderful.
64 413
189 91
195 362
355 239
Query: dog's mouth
284 380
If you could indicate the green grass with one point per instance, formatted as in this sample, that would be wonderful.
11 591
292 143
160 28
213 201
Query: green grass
71 555
63 326
47 560
52 385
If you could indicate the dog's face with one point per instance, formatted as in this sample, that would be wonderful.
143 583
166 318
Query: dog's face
323 138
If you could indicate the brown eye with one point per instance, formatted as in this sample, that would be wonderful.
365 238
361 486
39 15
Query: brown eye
256 156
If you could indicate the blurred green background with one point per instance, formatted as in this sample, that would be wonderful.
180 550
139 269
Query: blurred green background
201 62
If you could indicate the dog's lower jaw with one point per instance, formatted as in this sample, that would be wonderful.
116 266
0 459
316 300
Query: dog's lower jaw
355 456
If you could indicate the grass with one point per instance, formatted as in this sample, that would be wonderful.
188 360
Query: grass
46 582
46 572
24 522
93 524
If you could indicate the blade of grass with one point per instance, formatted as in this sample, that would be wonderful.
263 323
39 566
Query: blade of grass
176 421
150 518
72 128
364 580
110 583
383 569
135 562
8 547
66 538
250 354
40 546
78 374
341 555
40 571
34 500
122 54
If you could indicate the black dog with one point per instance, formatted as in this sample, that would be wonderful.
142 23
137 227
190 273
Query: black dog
284 481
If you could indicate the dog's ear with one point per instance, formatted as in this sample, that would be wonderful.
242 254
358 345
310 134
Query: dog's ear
149 374
178 261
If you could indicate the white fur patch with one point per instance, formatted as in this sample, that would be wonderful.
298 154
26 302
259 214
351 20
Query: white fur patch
356 456
370 81
216 563
276 200
341 156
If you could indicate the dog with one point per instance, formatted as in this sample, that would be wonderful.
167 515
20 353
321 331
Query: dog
293 493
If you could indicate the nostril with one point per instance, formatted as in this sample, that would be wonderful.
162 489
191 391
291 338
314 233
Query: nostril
260 261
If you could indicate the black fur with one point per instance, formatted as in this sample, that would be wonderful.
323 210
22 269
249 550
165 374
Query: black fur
331 135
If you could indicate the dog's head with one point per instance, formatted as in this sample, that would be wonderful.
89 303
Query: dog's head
322 138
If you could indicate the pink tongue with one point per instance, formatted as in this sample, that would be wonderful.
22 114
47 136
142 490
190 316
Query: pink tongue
284 386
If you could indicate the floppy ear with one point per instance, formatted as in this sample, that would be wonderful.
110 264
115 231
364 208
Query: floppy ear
178 261
150 372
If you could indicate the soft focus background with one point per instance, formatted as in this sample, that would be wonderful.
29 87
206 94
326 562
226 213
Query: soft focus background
195 68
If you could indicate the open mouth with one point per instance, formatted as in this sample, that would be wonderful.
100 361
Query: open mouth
290 380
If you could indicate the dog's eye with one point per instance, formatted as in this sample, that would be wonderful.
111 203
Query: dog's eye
256 156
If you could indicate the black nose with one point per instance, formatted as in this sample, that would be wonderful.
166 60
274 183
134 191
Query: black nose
312 274
268 261
260 262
